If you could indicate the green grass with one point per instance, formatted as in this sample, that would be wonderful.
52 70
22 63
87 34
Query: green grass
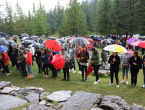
130 94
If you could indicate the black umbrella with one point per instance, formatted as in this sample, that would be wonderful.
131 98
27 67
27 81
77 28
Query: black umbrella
28 42
79 40
38 45
3 41
2 34
51 38
62 41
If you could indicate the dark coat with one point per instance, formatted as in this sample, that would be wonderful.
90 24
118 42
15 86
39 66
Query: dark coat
38 57
115 65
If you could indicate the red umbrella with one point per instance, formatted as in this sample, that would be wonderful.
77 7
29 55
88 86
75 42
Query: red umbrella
53 44
70 38
90 40
139 44
90 69
58 61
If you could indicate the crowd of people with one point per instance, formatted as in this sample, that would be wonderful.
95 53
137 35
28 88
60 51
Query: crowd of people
22 58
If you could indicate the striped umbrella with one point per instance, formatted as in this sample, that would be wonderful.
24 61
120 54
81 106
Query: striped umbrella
115 48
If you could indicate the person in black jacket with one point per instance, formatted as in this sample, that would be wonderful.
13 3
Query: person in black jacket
10 51
114 61
15 54
136 64
38 59
144 71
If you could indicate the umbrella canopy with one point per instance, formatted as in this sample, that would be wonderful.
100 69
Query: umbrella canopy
34 37
38 45
79 40
24 35
62 41
2 34
70 38
25 38
99 39
58 61
132 40
51 38
139 44
11 42
15 36
90 69
3 48
8 35
90 40
28 42
3 41
53 44
115 48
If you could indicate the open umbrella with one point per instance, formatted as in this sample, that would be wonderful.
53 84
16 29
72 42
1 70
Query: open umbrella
70 38
15 36
51 38
132 40
34 37
79 40
3 41
58 61
28 42
90 40
53 44
62 41
139 44
115 48
3 48
11 42
38 45
2 34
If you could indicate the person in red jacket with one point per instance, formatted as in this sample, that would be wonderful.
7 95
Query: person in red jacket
89 47
5 58
28 57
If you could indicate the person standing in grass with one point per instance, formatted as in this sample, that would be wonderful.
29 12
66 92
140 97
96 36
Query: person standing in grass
144 71
44 62
125 65
78 50
84 57
95 63
65 69
38 61
28 57
22 64
50 58
72 52
136 64
114 61
89 47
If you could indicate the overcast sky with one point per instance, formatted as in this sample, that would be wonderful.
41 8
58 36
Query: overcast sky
28 4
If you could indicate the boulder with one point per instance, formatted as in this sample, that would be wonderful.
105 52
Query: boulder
43 95
96 109
27 90
7 90
136 108
82 100
43 102
57 107
5 84
49 104
33 98
114 103
59 96
39 107
104 72
16 88
8 102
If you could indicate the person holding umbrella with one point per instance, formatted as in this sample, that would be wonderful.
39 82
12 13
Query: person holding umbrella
72 52
44 62
95 63
50 58
84 56
144 71
136 64
114 61
38 59
65 69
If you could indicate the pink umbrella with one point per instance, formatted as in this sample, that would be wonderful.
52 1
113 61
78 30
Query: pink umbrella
139 44
130 51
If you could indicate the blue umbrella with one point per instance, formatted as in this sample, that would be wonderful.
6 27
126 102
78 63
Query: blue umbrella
99 39
25 38
8 35
2 34
3 48
34 37
28 42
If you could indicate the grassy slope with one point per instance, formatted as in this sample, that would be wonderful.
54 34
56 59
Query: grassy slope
130 94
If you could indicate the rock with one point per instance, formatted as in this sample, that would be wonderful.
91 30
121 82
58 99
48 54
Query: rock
5 84
43 95
49 104
33 98
16 88
27 90
24 108
39 107
96 109
82 100
104 72
139 106
7 90
57 106
8 102
43 102
59 96
114 103
136 108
